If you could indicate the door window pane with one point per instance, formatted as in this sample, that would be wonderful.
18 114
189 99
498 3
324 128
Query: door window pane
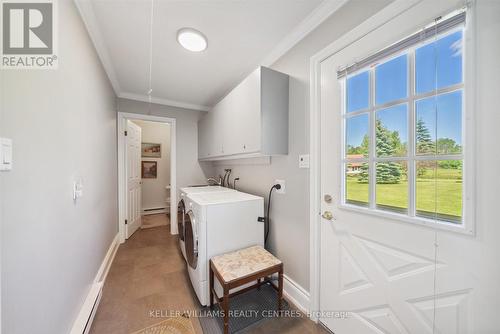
392 186
391 80
357 139
391 131
449 123
439 64
356 183
358 92
439 190
439 117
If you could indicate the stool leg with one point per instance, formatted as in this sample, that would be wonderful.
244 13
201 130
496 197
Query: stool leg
258 282
225 307
280 288
211 277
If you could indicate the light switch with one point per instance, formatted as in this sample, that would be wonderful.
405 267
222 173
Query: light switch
77 189
5 154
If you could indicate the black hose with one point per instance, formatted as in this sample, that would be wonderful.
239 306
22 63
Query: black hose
268 218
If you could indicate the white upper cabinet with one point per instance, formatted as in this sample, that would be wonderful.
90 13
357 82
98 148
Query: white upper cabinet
252 120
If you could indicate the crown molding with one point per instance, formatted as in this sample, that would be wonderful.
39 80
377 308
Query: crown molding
87 13
311 22
166 102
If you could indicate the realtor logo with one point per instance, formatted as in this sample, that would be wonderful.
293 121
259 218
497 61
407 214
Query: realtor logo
28 38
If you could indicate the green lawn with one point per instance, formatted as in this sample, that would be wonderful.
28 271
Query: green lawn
447 189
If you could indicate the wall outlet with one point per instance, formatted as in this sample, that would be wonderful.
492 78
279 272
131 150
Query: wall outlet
282 190
304 161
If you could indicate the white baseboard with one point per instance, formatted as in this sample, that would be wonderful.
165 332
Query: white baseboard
87 312
107 261
296 294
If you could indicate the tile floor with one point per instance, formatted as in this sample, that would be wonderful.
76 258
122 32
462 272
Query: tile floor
149 221
148 274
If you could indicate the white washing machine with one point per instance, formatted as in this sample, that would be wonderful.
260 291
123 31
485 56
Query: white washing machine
217 223
181 208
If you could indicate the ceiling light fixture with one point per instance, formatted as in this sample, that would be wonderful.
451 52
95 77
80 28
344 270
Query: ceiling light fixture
191 39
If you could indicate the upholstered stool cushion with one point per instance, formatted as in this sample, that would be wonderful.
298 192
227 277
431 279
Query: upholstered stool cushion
244 262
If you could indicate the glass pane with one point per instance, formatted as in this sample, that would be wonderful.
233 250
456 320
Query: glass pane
358 92
449 123
356 183
392 186
439 64
357 139
391 80
446 111
439 190
392 131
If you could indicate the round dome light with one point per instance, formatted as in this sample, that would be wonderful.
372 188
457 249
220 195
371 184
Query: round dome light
191 39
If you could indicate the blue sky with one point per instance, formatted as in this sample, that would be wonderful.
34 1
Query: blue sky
395 119
449 120
391 84
357 128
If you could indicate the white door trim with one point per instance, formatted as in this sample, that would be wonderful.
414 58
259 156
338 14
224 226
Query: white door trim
122 118
379 19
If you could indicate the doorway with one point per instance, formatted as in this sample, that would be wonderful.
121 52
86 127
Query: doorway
146 173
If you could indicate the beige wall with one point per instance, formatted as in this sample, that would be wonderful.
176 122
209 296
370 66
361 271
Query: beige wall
154 192
189 170
289 236
63 126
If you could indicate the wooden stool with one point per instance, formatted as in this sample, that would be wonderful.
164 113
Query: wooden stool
239 268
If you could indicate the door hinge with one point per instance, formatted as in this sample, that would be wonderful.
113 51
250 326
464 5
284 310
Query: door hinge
126 222
125 132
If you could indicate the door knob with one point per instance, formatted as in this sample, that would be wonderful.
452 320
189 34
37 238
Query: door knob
327 215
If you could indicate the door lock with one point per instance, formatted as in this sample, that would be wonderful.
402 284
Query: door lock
328 198
327 215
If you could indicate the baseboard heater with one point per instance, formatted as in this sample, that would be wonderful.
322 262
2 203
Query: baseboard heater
84 321
152 211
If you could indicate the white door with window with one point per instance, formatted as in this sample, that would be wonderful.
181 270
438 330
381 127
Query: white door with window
133 174
398 251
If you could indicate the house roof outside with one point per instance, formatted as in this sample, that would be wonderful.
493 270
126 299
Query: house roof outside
355 156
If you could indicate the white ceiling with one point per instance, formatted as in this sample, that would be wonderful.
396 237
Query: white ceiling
242 34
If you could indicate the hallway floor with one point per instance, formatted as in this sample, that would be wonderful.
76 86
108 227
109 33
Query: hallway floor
149 274
156 220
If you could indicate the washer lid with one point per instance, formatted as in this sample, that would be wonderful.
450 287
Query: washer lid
205 189
222 197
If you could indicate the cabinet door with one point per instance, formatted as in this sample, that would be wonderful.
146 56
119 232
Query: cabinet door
203 137
244 120
215 145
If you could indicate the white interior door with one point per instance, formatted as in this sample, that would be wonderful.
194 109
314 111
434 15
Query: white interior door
133 173
389 275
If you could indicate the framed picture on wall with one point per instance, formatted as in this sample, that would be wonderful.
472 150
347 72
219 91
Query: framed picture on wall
151 150
149 169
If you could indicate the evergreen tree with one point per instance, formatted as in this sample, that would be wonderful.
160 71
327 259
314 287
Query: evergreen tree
424 139
424 144
387 172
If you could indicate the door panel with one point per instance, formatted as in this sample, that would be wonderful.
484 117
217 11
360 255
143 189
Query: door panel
371 267
392 276
133 173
